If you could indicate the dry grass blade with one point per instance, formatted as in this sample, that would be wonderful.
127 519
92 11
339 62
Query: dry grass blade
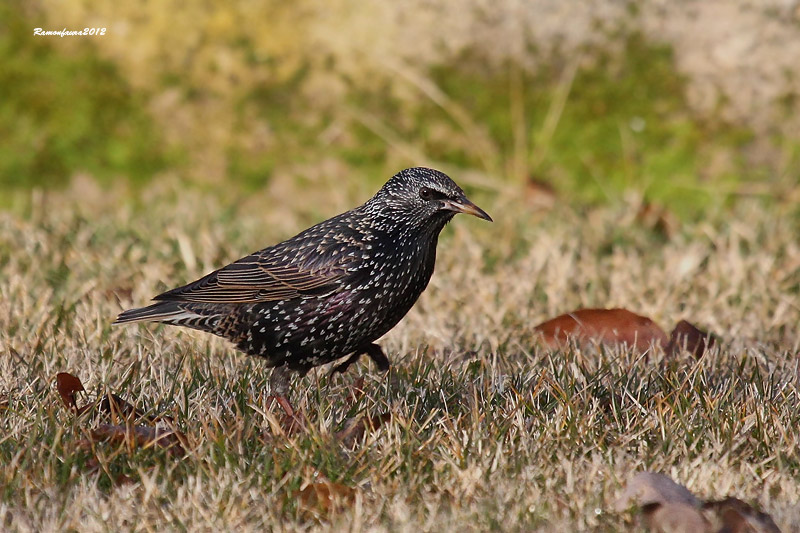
141 436
356 391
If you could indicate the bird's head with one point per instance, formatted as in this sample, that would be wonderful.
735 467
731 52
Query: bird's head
424 198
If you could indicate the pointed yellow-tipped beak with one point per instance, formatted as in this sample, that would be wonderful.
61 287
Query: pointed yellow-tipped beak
466 207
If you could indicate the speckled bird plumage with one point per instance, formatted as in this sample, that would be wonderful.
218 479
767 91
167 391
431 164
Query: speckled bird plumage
331 290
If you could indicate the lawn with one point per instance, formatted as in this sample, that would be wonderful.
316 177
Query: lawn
476 427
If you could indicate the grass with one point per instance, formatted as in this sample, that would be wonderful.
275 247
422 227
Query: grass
488 430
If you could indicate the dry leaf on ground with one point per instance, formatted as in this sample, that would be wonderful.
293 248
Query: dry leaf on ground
322 494
142 436
609 326
290 423
670 507
67 385
737 516
646 488
119 408
686 336
658 218
355 428
123 479
674 517
112 404
666 505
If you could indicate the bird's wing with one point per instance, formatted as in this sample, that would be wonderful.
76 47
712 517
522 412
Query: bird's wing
276 273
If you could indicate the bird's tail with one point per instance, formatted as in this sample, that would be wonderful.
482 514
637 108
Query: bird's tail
169 312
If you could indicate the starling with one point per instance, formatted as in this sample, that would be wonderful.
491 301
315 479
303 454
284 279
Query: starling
330 291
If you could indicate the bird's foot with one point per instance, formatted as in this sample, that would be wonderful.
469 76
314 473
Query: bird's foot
379 358
342 367
283 401
372 350
291 421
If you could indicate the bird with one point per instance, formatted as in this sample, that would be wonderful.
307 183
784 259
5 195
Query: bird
329 292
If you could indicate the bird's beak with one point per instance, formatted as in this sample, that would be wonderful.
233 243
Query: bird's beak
465 206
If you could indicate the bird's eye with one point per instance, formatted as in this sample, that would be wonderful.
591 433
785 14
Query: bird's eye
427 194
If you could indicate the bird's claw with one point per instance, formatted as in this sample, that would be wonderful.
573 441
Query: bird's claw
378 357
291 422
374 352
341 368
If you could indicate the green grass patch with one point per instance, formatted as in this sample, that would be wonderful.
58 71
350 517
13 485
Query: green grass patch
62 114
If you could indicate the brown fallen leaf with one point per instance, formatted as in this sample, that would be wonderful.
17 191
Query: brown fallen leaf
142 436
123 479
737 516
355 428
322 494
674 517
112 404
646 488
67 385
608 326
4 402
118 408
687 336
666 505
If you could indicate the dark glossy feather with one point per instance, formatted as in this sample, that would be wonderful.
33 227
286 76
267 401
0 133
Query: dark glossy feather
301 266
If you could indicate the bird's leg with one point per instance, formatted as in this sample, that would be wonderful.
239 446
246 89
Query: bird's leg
342 367
376 354
372 350
279 388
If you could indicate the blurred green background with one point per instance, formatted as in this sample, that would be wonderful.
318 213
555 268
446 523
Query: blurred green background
682 106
